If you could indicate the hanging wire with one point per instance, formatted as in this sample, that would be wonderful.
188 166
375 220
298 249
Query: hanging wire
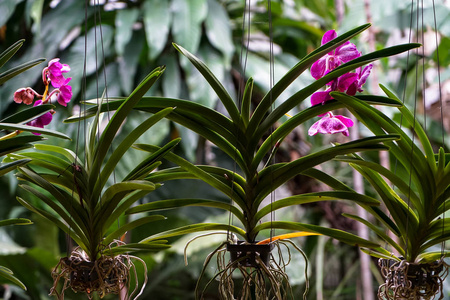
243 62
271 83
414 126
441 106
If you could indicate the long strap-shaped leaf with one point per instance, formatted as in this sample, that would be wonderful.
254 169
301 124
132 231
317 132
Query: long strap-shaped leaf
272 177
404 149
195 228
234 194
296 71
316 197
129 226
339 235
379 231
429 153
28 114
116 121
7 75
123 147
8 53
28 128
393 178
220 90
177 203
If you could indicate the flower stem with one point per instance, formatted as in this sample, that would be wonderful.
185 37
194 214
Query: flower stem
12 134
44 96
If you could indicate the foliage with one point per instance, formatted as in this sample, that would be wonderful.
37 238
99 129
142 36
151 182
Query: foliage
419 202
81 202
239 135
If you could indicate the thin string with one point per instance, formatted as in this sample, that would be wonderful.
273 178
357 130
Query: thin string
241 84
77 139
423 73
441 105
106 90
413 130
271 83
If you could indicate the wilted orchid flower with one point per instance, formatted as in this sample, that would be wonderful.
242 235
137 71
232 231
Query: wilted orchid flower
25 95
331 124
54 72
342 54
41 121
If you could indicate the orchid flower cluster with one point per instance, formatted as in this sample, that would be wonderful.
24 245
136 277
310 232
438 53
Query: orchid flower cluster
349 83
62 92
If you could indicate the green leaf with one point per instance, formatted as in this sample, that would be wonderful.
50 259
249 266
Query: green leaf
134 247
69 154
195 228
182 202
28 114
115 123
272 177
82 242
392 177
236 195
16 143
5 76
417 128
339 235
247 101
146 166
404 149
379 231
8 167
220 90
120 187
316 197
8 275
115 157
127 227
27 128
17 221
8 53
157 17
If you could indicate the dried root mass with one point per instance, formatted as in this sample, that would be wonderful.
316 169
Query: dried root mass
262 281
409 281
109 274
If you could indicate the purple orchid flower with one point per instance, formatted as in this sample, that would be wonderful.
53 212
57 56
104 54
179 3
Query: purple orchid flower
356 86
331 124
41 121
63 93
55 71
342 54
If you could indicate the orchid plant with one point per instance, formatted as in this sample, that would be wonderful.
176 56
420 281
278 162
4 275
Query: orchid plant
416 194
82 201
247 139
12 143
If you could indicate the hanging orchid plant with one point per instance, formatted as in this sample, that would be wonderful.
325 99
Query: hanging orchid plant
85 206
244 137
416 203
